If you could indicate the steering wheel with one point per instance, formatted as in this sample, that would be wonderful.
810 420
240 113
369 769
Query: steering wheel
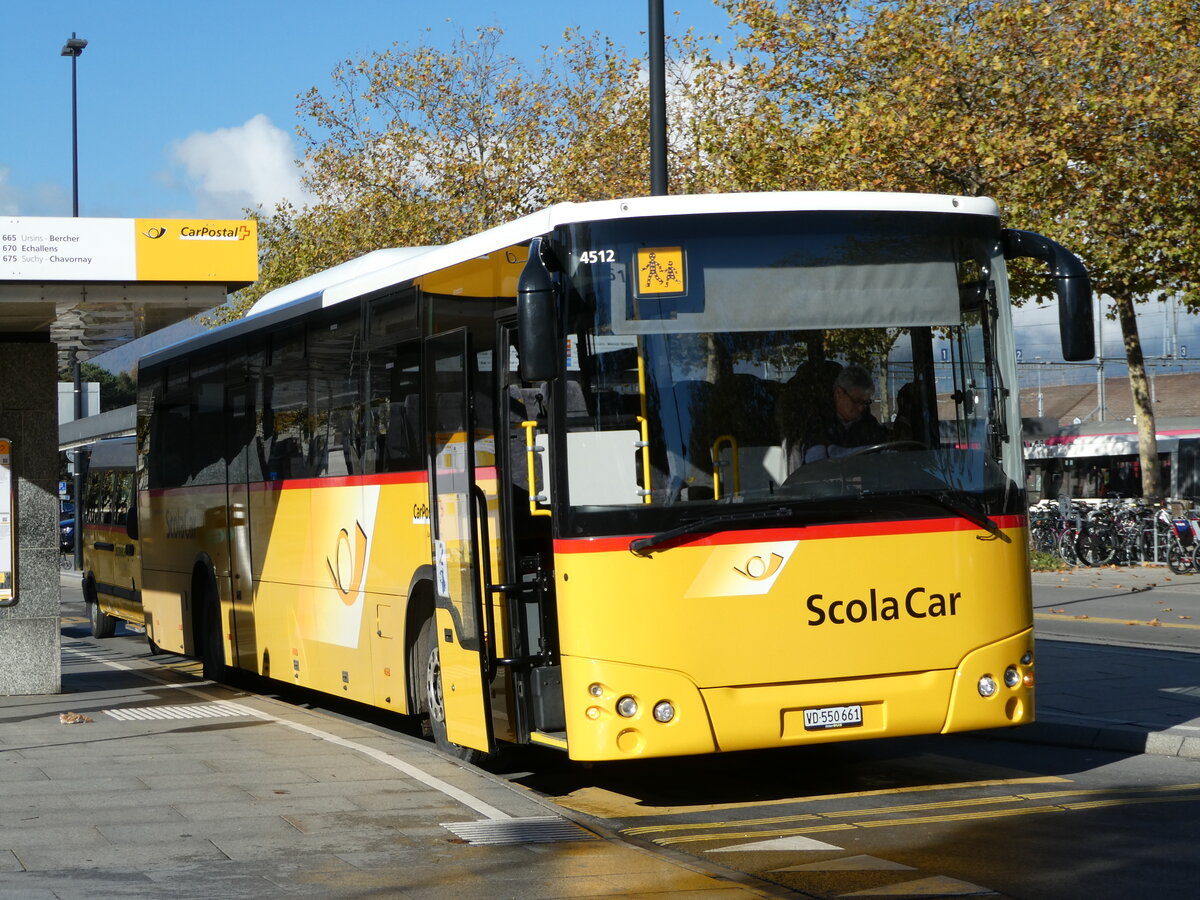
886 445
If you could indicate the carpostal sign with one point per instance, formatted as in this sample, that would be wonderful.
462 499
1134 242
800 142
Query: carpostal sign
127 250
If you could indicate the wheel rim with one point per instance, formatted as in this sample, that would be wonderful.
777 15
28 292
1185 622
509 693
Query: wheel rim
433 686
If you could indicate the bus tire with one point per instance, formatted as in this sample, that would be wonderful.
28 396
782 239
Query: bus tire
103 625
212 651
433 699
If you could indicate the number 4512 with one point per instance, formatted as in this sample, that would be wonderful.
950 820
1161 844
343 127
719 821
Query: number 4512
591 257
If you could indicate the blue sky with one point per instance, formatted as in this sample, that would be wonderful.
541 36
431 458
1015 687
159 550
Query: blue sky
188 109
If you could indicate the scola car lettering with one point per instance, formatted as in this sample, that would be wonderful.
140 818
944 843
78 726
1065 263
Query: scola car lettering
917 604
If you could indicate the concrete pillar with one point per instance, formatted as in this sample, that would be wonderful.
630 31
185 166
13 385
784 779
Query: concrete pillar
30 661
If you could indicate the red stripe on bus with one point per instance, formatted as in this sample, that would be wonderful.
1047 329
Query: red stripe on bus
484 474
298 484
791 533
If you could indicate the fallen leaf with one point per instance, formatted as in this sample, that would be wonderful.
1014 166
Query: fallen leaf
1079 617
1060 611
1154 622
73 718
1185 617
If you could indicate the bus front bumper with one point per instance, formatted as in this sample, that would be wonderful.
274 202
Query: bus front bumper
615 711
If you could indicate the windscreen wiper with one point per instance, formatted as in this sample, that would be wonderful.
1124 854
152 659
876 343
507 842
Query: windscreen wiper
643 546
957 505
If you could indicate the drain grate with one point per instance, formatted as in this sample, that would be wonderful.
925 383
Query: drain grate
533 830
216 710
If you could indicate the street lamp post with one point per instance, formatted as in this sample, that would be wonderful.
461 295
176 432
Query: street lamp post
73 48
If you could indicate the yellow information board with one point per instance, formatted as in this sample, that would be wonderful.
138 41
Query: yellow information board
196 250
193 251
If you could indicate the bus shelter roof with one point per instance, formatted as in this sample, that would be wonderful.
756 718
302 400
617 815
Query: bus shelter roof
93 284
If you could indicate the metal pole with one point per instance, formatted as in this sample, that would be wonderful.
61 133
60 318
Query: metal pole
74 140
658 101
73 48
77 457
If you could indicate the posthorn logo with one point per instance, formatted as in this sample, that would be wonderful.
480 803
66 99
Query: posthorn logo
155 233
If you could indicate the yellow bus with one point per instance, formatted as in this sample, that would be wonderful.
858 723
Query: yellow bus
555 483
111 562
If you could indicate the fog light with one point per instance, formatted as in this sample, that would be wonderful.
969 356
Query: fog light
1012 677
664 711
593 712
987 686
1027 659
596 690
627 707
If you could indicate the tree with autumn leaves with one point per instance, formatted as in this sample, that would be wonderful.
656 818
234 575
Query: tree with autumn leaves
1076 115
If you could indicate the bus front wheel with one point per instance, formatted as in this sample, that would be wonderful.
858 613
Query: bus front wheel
103 625
434 700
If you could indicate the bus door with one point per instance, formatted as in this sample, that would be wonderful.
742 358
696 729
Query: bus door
459 622
239 436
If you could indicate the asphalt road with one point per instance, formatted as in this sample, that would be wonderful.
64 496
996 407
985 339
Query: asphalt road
1136 607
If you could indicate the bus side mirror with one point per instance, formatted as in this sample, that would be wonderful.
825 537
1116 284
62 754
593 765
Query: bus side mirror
1071 284
537 325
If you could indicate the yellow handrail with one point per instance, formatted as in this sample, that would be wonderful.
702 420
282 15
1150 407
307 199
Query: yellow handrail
716 460
643 422
531 448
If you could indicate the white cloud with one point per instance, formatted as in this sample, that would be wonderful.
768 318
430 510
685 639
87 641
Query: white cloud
231 169
10 204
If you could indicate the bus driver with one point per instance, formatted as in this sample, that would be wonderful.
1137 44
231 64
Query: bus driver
850 423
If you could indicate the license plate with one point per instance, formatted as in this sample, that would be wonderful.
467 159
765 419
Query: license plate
825 717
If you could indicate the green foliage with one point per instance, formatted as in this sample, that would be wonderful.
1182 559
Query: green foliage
1041 561
1078 116
115 390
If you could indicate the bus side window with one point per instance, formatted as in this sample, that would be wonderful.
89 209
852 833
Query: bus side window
394 408
335 446
284 437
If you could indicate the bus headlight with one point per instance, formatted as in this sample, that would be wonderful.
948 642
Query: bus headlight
627 707
1012 677
664 711
987 686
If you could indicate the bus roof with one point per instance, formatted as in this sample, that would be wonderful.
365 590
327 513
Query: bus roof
381 269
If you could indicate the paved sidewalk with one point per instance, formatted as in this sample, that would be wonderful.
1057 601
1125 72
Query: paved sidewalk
169 786
1126 699
187 789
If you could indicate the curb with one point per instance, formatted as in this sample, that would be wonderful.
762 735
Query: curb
1115 738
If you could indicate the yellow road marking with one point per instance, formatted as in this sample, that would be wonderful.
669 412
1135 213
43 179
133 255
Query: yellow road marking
1066 617
839 814
611 805
1181 793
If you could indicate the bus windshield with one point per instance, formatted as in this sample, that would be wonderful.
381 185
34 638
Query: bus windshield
798 358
